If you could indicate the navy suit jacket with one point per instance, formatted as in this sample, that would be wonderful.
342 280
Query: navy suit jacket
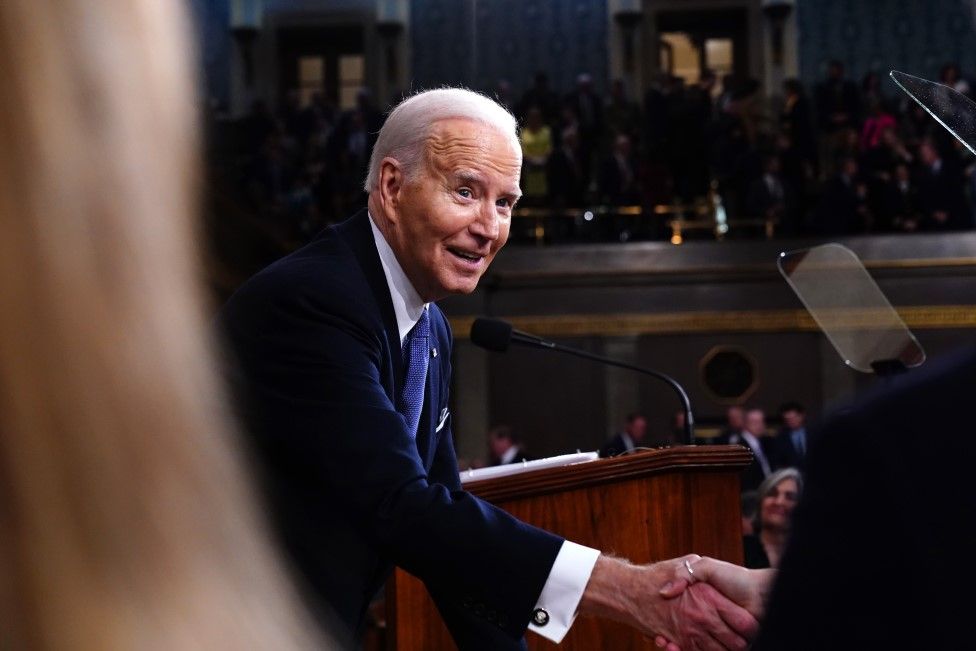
318 366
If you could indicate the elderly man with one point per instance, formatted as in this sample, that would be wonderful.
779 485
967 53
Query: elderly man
344 361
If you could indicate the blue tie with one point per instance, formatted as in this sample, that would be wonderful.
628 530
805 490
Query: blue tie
416 351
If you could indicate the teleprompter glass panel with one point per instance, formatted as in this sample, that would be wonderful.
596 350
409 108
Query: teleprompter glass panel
850 308
949 107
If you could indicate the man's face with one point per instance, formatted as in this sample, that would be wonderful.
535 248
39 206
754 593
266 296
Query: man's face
735 418
498 445
455 216
792 419
637 428
756 422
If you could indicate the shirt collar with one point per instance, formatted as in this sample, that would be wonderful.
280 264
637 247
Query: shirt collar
407 304
509 455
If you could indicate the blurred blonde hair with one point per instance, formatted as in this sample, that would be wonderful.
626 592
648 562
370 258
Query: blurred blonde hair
125 520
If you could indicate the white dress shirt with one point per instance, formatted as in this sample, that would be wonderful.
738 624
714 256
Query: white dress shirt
574 563
509 455
757 451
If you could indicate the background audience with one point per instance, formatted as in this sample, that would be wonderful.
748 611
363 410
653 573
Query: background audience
854 159
778 496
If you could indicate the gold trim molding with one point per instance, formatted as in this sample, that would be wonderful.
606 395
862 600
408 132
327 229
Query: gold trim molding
920 317
723 270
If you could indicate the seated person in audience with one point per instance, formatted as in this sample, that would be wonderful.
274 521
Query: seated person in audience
941 193
753 436
566 180
629 439
842 209
735 419
536 140
790 445
619 175
778 495
768 196
898 203
504 446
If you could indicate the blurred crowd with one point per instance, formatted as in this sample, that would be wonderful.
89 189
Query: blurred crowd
846 158
770 485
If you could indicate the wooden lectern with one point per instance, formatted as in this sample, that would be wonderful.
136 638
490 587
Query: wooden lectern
646 506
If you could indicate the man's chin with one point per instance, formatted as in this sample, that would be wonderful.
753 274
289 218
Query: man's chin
459 286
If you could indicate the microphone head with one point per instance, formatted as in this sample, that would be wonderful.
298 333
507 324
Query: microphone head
491 334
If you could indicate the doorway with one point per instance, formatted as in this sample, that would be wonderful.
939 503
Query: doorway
694 41
326 60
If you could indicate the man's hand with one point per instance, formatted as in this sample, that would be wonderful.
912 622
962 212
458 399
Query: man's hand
748 588
651 599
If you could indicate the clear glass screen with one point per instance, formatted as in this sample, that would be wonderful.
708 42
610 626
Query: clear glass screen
849 307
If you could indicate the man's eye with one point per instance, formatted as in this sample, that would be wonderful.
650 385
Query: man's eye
465 192
504 203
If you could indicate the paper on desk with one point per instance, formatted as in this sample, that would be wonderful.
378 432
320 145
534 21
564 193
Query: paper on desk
477 474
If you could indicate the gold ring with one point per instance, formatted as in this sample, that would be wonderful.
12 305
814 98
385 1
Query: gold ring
691 572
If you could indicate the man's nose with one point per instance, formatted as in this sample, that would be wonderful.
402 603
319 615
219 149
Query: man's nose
487 224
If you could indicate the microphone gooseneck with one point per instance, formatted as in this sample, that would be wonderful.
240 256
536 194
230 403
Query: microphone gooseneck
496 335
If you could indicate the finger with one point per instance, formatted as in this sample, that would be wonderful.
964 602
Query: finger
704 641
723 642
661 642
738 620
674 588
728 623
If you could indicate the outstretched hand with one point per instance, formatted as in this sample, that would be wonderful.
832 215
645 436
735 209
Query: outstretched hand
748 588
694 617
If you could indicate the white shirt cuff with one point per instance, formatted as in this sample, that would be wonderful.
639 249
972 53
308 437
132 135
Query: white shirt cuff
561 594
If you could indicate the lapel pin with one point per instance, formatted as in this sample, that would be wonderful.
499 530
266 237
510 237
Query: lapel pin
433 352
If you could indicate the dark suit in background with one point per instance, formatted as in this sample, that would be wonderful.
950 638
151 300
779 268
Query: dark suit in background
784 452
617 445
318 353
755 472
883 537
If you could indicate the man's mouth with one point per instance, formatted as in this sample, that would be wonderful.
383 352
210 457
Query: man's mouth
467 256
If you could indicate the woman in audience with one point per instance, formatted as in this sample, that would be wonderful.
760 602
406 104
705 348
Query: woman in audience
536 139
125 518
778 495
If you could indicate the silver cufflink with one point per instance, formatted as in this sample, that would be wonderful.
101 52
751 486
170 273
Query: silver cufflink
540 617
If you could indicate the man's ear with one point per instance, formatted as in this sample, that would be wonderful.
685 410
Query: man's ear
391 184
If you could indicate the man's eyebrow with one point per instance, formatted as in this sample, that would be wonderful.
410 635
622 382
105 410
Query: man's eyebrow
470 176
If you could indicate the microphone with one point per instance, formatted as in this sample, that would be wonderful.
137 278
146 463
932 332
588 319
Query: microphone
496 335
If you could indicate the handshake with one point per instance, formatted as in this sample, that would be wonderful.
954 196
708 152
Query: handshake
686 604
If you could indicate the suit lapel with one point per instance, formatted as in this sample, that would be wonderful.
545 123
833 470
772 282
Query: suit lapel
359 234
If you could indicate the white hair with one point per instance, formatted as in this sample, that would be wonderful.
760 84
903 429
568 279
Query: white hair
408 126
